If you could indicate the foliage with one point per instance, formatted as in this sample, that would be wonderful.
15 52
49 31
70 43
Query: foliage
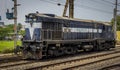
4 31
7 46
118 22
8 30
19 26
22 32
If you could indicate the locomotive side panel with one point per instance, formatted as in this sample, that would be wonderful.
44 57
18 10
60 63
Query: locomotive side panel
81 30
51 31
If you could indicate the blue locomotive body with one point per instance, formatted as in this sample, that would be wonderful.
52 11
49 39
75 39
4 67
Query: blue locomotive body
50 35
87 30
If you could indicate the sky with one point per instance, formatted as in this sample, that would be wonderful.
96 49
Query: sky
99 10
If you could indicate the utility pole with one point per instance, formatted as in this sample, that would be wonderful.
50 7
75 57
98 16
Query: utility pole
115 19
71 8
65 8
15 23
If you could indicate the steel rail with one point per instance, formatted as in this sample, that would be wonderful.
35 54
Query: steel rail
22 62
57 62
61 65
88 65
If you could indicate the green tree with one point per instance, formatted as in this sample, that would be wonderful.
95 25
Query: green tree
8 30
118 22
22 32
4 32
19 26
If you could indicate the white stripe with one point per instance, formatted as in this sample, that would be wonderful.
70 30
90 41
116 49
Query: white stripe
35 25
31 32
31 29
82 30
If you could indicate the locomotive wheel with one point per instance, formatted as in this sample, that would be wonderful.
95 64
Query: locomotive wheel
60 51
69 50
75 50
51 52
107 46
99 47
104 46
86 50
56 53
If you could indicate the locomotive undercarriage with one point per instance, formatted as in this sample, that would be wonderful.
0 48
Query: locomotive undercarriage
32 50
39 50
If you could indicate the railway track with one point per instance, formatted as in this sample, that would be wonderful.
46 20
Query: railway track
113 67
12 58
81 63
66 63
15 63
96 63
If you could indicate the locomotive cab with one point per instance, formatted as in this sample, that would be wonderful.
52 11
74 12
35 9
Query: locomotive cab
32 29
32 39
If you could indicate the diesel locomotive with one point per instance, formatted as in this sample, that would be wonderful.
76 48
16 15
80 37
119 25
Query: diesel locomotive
50 35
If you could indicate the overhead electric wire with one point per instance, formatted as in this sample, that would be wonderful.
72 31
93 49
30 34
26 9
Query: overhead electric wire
80 6
98 2
108 2
59 1
52 2
91 8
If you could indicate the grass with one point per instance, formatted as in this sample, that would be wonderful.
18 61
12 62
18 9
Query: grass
7 46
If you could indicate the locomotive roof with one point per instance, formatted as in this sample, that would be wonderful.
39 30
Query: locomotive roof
52 17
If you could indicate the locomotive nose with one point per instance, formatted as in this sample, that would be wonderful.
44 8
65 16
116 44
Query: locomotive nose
33 31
